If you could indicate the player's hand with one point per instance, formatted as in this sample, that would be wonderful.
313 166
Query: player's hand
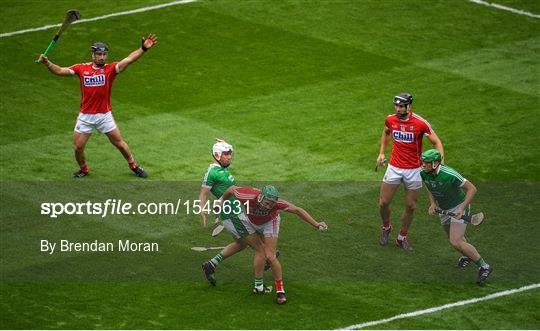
381 159
43 59
204 217
431 209
322 226
149 41
458 213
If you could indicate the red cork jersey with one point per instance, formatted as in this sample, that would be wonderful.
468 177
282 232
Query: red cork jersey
257 215
407 140
96 84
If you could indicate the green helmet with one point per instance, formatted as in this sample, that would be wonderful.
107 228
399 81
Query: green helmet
431 155
270 192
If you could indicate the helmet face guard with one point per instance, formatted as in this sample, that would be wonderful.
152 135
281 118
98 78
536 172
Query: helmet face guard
99 46
268 197
405 100
431 156
219 148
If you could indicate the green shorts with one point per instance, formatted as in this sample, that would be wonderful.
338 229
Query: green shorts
237 225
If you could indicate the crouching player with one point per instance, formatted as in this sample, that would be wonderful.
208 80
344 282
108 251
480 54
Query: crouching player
263 208
449 191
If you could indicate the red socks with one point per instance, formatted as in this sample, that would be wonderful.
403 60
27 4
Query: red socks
402 234
84 168
131 162
279 286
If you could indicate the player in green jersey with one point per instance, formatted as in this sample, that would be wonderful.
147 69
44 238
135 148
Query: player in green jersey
449 191
216 181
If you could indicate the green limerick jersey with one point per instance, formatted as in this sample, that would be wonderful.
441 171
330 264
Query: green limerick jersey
445 185
218 179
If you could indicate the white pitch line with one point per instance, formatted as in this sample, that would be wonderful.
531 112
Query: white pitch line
513 10
84 20
447 306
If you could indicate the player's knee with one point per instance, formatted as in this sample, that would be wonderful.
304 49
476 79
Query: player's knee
411 206
384 203
79 148
270 256
455 242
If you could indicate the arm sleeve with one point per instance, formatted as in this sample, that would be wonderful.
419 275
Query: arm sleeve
426 128
208 180
75 70
458 180
245 193
282 204
116 68
387 123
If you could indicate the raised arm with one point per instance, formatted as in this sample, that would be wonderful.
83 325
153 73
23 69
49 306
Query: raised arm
54 68
146 44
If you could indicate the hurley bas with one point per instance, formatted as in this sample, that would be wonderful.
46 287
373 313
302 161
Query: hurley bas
97 246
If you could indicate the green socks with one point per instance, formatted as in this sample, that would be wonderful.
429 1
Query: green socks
481 263
216 259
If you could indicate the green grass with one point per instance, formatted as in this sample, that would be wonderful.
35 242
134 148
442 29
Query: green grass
301 89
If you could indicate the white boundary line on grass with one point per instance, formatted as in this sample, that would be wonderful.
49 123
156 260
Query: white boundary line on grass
447 306
513 10
128 12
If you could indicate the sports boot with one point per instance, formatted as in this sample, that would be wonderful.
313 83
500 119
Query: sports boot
463 262
139 172
80 173
483 274
266 289
404 244
209 269
281 298
384 235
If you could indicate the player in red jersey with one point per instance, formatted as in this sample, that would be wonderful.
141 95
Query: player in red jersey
96 79
263 208
407 130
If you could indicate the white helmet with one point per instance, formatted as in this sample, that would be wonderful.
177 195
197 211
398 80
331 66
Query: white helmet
219 147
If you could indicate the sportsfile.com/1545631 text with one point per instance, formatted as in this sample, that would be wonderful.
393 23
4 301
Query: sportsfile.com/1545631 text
111 207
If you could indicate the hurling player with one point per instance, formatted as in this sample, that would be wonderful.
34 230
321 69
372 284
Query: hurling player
407 130
263 208
96 79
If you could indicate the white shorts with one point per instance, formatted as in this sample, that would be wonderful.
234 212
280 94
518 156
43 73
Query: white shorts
446 219
270 228
103 122
410 177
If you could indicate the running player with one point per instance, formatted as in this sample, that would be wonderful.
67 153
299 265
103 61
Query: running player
263 208
96 79
449 191
407 130
216 181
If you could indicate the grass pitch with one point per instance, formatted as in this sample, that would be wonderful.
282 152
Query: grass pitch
301 89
